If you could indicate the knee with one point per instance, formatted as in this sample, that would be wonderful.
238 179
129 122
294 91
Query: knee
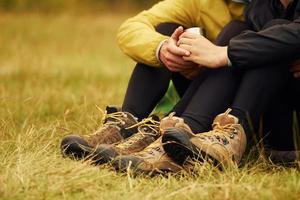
166 28
276 22
231 30
237 24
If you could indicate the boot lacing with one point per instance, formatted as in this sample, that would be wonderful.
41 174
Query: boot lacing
116 116
147 124
116 121
221 134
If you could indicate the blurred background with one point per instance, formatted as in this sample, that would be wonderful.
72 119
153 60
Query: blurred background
78 5
61 58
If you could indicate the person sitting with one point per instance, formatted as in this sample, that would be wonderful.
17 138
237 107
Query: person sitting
146 39
271 44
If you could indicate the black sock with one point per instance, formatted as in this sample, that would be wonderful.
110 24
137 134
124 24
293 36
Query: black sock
250 127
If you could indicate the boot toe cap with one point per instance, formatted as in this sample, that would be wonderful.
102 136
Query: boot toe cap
74 146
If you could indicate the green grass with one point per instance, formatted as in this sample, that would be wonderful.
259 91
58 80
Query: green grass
54 70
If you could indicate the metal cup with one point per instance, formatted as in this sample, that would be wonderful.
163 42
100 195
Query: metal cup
197 30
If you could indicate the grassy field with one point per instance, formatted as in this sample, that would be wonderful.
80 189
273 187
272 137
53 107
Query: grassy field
54 70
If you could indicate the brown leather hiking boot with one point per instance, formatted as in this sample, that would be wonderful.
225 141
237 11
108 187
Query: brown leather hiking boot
225 144
116 127
152 159
148 132
172 121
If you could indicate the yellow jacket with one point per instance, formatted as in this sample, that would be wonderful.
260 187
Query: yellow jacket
137 37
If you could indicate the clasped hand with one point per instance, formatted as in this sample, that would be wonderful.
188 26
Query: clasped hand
202 51
172 56
187 53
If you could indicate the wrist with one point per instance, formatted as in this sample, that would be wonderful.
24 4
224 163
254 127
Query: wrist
158 51
222 58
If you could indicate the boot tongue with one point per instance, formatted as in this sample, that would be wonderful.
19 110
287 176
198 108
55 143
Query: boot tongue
112 109
155 118
225 119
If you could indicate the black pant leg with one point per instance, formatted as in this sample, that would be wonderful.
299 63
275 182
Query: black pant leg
278 126
146 87
295 96
213 96
258 88
278 119
231 30
148 84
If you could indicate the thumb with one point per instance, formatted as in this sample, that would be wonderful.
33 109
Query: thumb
177 33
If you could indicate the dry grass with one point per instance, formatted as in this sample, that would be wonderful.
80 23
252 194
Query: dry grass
53 71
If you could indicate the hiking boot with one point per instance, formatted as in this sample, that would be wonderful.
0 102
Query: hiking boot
148 132
152 159
116 127
224 144
171 121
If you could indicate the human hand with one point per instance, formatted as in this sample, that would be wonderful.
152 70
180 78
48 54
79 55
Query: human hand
191 73
202 51
172 56
295 68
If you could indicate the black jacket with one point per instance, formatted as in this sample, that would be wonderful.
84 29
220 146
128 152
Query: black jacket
261 47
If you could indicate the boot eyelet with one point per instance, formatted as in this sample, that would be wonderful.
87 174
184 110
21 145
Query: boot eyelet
235 131
232 136
225 142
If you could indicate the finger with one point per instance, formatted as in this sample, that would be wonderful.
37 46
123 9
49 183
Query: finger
188 58
189 35
185 41
188 48
176 66
173 49
178 59
173 69
177 33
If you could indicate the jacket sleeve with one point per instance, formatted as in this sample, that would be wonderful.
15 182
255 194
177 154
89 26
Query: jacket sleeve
137 37
272 45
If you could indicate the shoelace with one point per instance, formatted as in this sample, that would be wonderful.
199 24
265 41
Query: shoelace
171 115
147 123
116 116
220 133
117 119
